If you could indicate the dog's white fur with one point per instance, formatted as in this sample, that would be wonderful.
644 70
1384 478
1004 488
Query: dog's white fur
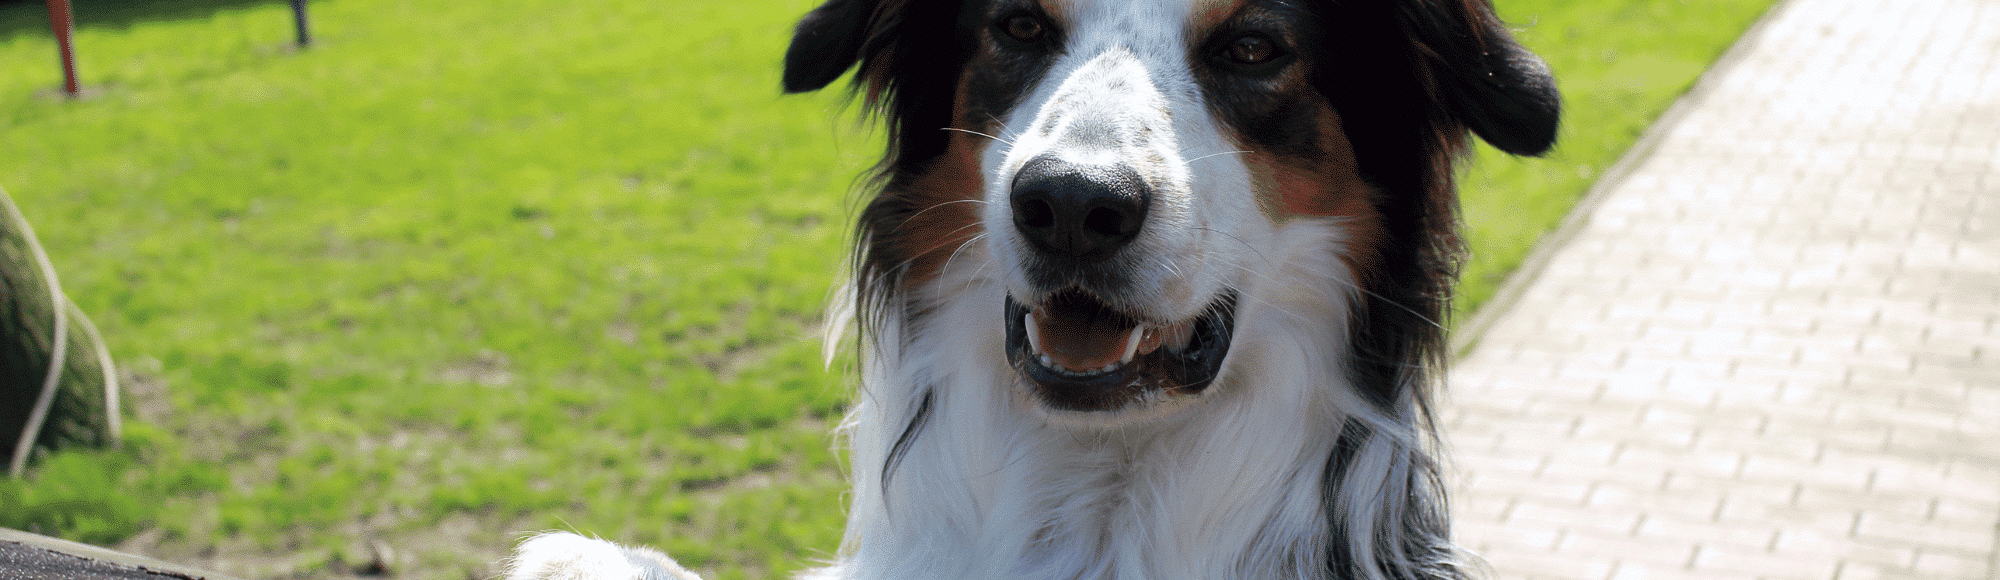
994 490
1218 485
566 556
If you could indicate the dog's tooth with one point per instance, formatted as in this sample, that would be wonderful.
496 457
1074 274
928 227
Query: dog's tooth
1132 344
1034 336
1175 337
1047 362
1150 341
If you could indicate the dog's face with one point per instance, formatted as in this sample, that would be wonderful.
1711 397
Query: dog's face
1137 181
1126 169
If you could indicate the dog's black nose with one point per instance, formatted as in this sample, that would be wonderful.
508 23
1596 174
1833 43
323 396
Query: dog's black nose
1076 212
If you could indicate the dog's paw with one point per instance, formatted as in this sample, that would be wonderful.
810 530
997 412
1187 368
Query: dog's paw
567 556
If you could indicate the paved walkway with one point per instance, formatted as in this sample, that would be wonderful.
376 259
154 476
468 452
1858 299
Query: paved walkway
1772 350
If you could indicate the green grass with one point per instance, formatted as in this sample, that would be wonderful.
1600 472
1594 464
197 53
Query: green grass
1619 65
463 270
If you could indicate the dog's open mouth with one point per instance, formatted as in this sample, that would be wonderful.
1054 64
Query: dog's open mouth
1080 354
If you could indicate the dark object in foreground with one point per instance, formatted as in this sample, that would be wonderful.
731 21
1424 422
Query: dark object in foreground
58 386
25 555
299 20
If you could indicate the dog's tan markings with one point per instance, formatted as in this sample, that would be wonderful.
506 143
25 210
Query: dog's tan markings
945 217
1208 15
1305 163
1327 183
1058 10
1301 162
943 202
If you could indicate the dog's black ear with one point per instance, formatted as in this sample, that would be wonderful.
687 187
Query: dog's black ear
1511 103
827 42
1492 84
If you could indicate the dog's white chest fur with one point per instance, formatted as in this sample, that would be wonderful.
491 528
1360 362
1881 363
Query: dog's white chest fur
993 489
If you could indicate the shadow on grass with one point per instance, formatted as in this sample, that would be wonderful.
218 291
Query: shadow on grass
18 17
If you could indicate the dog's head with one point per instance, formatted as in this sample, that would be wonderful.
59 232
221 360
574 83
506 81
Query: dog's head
1124 169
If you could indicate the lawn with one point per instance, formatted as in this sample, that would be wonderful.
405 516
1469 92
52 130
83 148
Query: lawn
460 270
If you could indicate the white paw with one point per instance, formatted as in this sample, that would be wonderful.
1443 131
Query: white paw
567 556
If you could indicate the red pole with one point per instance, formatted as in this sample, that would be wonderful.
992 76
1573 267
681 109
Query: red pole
59 18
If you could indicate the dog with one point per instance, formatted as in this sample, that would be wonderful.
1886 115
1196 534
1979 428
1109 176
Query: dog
1151 288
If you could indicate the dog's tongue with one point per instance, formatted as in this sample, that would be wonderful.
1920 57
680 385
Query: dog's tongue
1080 334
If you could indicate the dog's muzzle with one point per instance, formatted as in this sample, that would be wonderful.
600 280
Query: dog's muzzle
1078 352
1097 206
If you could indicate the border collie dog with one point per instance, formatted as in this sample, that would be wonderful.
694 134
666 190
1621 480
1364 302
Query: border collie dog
1151 288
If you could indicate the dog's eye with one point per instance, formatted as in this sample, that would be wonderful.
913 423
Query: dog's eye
1251 50
1024 27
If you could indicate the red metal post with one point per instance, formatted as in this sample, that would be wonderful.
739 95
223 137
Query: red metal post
59 18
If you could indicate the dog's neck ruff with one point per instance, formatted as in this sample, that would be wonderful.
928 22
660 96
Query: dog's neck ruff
993 489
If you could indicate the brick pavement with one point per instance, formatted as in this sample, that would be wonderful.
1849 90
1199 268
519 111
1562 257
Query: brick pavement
1771 347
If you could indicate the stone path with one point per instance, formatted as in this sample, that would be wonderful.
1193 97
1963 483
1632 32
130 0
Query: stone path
1772 347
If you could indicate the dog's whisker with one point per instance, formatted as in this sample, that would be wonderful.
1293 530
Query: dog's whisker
961 249
913 217
1245 243
1217 154
971 132
998 123
1350 284
957 248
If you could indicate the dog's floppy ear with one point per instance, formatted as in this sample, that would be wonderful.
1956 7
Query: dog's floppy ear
827 42
1491 83
910 53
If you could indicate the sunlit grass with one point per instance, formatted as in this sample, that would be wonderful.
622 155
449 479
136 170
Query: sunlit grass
1619 63
466 269
546 265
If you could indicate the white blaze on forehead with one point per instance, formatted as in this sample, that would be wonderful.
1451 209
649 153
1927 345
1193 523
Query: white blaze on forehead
1144 24
1106 111
1118 94
1120 59
1121 92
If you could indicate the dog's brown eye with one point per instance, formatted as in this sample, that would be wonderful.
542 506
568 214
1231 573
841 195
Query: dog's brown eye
1251 49
1024 28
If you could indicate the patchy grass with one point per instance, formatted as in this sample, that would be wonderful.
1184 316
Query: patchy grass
463 270
546 265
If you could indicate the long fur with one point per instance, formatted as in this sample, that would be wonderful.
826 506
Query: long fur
1314 454
1236 495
